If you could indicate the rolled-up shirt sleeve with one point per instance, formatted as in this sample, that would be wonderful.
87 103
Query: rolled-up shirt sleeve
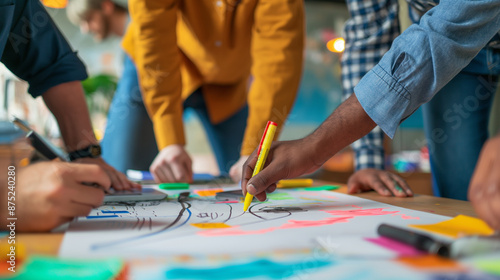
425 58
37 52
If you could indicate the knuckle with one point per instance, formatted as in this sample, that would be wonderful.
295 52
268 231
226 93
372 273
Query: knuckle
60 170
55 191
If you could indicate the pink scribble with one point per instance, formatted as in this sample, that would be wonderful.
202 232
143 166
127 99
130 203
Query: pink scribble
236 230
318 194
327 221
361 212
346 215
402 249
406 217
227 201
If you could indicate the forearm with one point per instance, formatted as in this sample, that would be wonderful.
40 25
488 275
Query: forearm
67 102
346 124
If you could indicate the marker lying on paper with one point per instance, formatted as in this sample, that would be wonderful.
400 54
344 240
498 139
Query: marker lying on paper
294 183
174 186
198 178
139 175
462 247
417 240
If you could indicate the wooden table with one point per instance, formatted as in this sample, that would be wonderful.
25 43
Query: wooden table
49 243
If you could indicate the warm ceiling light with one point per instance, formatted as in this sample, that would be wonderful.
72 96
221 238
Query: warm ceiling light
57 4
336 45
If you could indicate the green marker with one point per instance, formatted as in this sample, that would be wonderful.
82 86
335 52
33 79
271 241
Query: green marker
174 186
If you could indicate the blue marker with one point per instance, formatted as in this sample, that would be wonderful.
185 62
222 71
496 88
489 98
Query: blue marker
139 175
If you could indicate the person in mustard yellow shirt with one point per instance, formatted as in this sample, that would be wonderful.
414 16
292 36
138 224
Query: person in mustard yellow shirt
236 63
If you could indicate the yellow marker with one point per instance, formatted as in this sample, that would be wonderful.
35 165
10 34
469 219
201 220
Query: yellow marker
294 183
56 4
265 145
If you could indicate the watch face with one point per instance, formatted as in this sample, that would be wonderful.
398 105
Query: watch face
95 150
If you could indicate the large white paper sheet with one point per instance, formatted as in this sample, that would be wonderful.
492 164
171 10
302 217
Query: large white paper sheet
200 226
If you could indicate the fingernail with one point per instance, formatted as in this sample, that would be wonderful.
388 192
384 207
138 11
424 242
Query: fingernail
251 189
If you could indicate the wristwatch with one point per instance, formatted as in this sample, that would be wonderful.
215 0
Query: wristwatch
91 151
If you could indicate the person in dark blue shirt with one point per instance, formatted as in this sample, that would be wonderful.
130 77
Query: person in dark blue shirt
32 47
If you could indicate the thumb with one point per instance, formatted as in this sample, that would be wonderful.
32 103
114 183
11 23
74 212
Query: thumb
353 187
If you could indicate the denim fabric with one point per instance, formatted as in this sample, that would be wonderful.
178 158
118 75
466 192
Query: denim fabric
129 141
425 58
456 124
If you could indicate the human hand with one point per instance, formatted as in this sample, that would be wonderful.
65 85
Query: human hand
383 182
172 164
118 180
484 188
236 169
286 159
52 193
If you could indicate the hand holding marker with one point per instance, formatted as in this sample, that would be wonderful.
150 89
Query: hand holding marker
262 152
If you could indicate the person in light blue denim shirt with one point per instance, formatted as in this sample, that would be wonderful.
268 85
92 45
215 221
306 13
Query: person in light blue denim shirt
421 61
456 117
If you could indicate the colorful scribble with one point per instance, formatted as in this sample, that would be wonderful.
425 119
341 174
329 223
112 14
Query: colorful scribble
236 230
361 212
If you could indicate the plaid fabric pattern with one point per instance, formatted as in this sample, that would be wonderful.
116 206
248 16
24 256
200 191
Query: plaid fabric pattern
369 33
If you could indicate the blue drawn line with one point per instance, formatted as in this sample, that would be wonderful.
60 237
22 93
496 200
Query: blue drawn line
102 216
168 228
115 212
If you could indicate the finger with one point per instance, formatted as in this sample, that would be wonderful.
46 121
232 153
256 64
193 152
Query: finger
402 183
353 186
233 173
84 194
492 196
392 185
90 173
247 171
127 185
261 196
271 189
481 172
179 171
380 188
115 180
188 165
493 219
264 179
162 173
479 181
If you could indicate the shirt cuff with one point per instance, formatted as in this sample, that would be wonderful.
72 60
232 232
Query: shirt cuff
68 68
383 98
169 130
